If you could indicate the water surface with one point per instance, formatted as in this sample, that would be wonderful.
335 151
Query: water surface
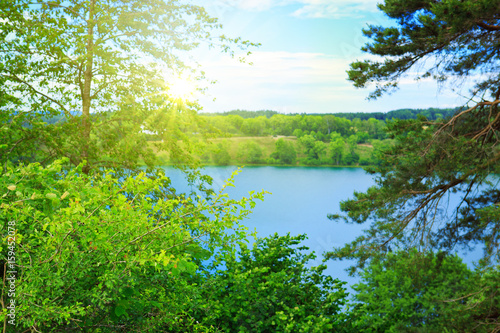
301 199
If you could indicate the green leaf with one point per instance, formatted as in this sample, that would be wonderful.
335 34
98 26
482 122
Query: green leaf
156 304
120 310
128 291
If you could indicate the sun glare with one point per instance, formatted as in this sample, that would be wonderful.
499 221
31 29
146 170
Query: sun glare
180 88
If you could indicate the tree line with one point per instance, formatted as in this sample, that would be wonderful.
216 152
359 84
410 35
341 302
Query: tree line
296 125
327 139
305 151
429 113
321 140
250 123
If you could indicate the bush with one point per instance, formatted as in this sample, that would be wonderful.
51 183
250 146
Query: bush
249 152
106 251
409 291
270 289
220 154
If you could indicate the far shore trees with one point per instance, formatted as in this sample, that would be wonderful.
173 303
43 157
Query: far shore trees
249 152
285 152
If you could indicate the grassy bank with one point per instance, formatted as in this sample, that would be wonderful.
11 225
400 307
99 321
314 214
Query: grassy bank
238 146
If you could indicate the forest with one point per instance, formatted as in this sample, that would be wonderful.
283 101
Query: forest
95 238
305 140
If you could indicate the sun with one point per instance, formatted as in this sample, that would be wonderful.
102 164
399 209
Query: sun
180 88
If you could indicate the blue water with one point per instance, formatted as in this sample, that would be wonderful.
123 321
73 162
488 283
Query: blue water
301 199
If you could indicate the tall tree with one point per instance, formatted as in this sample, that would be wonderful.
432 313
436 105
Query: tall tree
337 147
431 159
102 64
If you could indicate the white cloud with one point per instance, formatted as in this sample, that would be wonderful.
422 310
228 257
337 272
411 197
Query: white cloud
253 5
283 81
305 82
335 8
307 8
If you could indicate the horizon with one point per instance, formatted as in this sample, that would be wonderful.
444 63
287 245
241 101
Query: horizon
328 113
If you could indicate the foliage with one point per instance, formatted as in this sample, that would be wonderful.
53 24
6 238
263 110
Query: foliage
351 157
411 291
254 126
415 175
249 152
285 152
220 154
267 150
103 65
482 304
337 148
98 251
246 114
269 288
429 113
272 123
457 37
296 125
430 160
314 150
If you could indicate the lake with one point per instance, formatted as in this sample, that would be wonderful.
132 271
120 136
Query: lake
301 199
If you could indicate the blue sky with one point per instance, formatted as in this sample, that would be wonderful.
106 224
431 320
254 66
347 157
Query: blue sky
301 65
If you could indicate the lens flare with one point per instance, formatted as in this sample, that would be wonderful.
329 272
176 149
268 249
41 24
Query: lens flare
180 88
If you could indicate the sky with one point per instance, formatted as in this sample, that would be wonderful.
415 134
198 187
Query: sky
300 67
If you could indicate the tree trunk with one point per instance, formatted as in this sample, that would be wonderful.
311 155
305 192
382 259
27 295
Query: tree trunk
86 123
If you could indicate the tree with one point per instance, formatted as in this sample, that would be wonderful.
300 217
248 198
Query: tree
254 126
120 254
362 137
457 36
408 291
102 64
285 152
337 147
314 150
351 157
376 128
249 152
298 133
269 288
220 153
431 159
13 135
